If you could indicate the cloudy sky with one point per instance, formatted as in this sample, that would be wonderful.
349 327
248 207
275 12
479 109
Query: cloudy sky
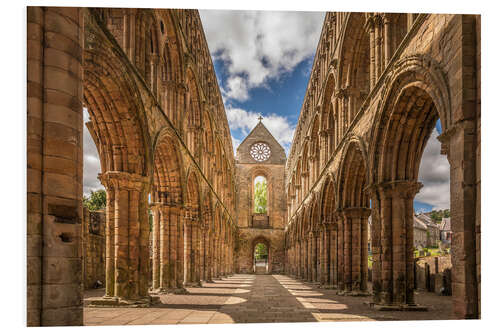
262 61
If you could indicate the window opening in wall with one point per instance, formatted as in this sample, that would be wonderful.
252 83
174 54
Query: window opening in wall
260 195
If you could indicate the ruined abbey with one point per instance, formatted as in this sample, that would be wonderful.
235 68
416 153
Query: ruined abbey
378 85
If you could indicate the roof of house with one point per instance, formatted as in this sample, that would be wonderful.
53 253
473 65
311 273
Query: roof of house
427 220
417 223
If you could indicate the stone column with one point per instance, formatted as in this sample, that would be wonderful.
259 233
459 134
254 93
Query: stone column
378 47
196 252
357 219
314 257
323 148
332 259
188 253
460 143
340 251
387 38
371 30
209 261
365 213
216 256
54 165
110 241
347 245
156 246
177 249
323 278
130 265
203 253
376 244
353 220
310 257
166 263
396 219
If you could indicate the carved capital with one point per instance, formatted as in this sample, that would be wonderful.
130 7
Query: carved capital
119 180
356 212
406 189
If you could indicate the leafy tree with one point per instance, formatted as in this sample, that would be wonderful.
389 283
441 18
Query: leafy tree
260 197
260 251
95 201
437 215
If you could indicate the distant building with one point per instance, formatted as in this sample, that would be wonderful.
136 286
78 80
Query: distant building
445 231
426 233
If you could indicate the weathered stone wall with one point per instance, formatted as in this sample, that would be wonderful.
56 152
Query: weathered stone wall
276 203
247 169
433 274
54 165
94 248
432 59
248 238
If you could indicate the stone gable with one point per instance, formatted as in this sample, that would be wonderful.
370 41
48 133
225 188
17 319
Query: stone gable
260 134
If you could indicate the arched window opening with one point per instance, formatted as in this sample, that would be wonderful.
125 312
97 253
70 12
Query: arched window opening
260 195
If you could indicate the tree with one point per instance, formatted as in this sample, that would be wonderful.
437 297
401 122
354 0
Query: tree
95 201
260 197
260 251
437 215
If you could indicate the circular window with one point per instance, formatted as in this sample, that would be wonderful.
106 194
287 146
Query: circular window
260 152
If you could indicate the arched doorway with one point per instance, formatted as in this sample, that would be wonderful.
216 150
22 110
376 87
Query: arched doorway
261 255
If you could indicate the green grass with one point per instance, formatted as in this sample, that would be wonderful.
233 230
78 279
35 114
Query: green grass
434 252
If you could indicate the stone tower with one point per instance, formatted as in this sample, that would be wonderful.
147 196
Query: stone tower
260 158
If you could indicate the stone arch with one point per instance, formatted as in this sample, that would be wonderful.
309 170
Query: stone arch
193 118
171 66
264 240
168 170
354 210
118 125
328 200
418 87
327 117
414 97
192 230
354 65
353 175
118 121
264 172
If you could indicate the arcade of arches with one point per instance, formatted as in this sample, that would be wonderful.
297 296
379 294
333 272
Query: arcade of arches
379 83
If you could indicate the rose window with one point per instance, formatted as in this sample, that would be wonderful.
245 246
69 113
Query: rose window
260 152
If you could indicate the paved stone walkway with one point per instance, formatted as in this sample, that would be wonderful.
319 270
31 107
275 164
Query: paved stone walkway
260 299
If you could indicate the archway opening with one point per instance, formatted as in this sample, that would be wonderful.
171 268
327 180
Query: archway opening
260 197
412 180
261 258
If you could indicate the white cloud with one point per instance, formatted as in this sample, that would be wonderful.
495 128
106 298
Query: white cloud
243 120
236 143
91 163
434 173
259 45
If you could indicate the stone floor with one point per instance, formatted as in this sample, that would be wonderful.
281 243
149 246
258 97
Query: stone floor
260 299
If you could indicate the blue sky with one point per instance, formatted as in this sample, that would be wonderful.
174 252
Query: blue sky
281 96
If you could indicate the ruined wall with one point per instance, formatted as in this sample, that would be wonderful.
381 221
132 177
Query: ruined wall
433 274
273 169
245 175
276 209
94 248
247 239
439 53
